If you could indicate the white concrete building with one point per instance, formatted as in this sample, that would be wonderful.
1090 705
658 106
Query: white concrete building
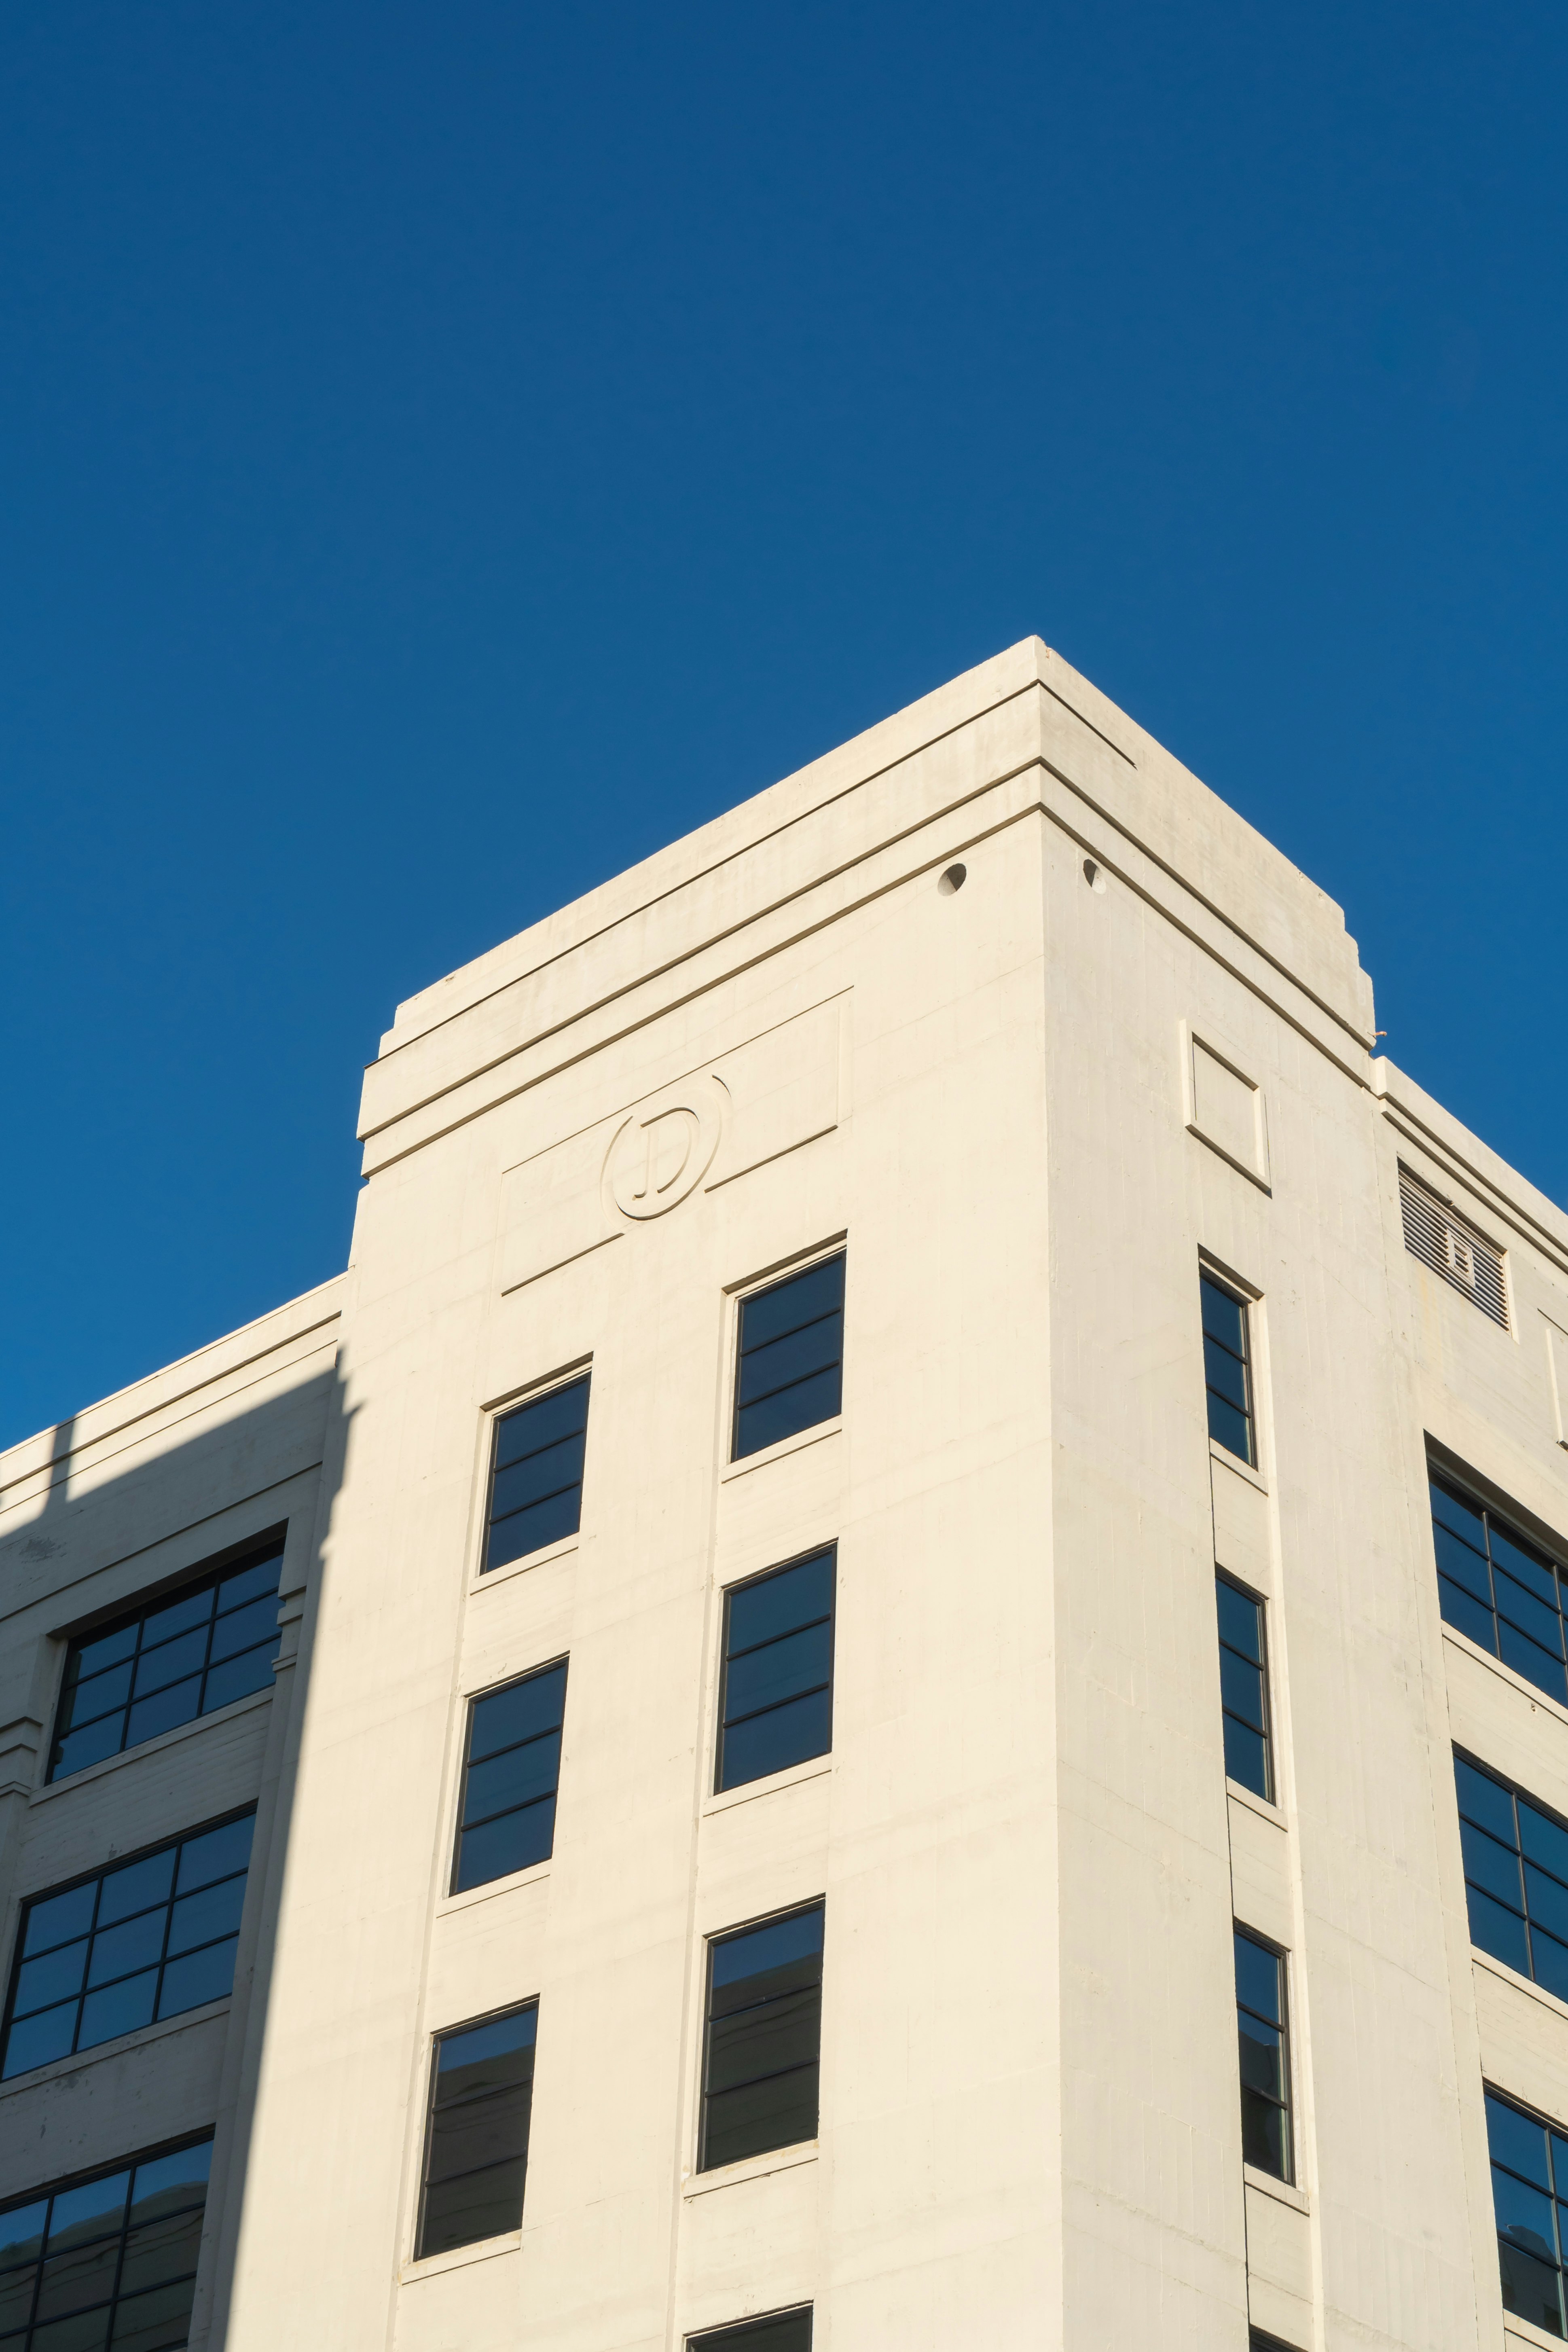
854 1951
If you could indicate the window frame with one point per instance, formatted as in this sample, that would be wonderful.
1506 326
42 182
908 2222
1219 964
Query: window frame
493 1418
1248 1300
1543 2123
754 1286
721 2339
742 1584
1513 1525
1270 1795
711 1944
1284 2027
65 2182
433 2041
471 1701
1532 1924
88 1878
203 1575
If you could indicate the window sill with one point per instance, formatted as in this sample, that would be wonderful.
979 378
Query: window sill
816 1768
1255 1803
436 2265
1524 2331
1283 2191
751 2168
1219 1452
1553 1708
815 1435
1505 1975
54 2070
536 1873
490 1577
154 1747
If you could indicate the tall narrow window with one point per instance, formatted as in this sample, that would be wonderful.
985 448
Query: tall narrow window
1516 1876
1265 2055
1227 1370
780 2331
1501 1589
791 1370
476 2154
1530 2196
1243 1688
162 1665
763 2038
536 1476
109 2258
776 1702
149 1938
510 1778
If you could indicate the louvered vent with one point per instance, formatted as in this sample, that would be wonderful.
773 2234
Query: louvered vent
1440 1238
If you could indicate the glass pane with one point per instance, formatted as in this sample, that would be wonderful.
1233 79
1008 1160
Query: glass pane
201 1919
512 1842
59 1918
16 2301
1545 1840
487 2054
216 1852
759 2116
1466 1566
1229 1428
171 1661
257 1622
776 1957
22 2232
793 1357
767 1315
247 1583
543 1423
237 1677
1262 2057
1524 1564
1240 1621
206 1975
1498 1931
1528 1659
1257 1977
87 2332
1241 1688
1226 1374
545 1523
766 2039
1521 1609
778 1603
119 1951
1518 2141
73 2280
1469 1615
1546 1899
1491 1865
1263 2141
165 1711
105 1650
772 1742
156 2321
1223 1316
1465 1518
34 2041
137 1887
1551 1969
519 1711
1245 1757
786 2331
485 2205
535 1476
517 1777
169 2183
81 1749
1530 2287
1524 2215
1484 1800
94 2210
99 1695
118 2009
775 1418
176 1616
779 1670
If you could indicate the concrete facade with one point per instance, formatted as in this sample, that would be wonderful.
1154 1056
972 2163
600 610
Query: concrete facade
1134 1040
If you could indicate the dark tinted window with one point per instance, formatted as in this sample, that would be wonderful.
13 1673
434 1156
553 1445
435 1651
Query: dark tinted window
1227 1370
536 1476
1516 1876
776 1702
149 1938
1530 2174
1265 2055
110 2257
781 2331
1501 1589
509 1776
477 2151
763 2038
791 1369
1243 1688
181 1656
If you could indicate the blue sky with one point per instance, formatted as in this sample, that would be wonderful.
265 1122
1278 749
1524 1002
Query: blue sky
446 453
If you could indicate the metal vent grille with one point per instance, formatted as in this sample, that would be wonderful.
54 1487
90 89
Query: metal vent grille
1437 1234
